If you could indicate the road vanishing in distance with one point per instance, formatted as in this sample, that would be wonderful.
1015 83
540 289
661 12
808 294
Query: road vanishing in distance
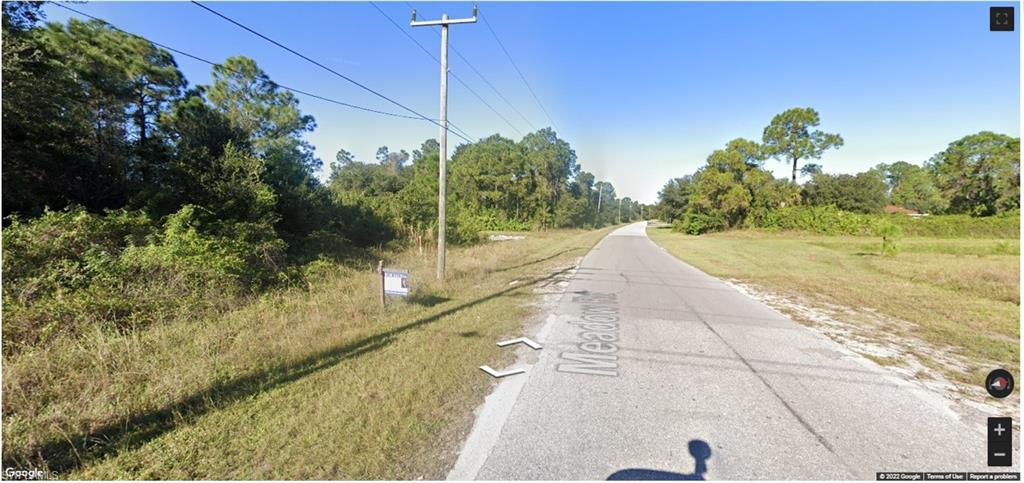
652 369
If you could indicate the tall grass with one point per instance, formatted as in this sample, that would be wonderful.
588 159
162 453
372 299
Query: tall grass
317 383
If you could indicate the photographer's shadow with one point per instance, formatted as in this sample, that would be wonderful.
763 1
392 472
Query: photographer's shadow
700 451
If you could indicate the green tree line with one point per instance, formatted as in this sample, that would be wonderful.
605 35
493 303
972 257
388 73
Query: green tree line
130 194
977 175
495 184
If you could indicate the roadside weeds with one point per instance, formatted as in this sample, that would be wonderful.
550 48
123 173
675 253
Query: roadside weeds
318 384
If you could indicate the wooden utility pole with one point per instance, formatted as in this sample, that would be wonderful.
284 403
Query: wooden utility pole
443 160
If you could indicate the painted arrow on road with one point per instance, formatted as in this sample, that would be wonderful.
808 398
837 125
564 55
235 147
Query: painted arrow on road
533 345
495 373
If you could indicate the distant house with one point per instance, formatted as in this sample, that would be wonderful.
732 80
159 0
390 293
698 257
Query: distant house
902 210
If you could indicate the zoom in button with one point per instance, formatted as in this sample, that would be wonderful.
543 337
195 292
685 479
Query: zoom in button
1000 441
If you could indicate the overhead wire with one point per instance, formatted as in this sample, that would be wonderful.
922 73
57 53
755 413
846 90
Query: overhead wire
216 64
516 67
453 74
326 68
482 77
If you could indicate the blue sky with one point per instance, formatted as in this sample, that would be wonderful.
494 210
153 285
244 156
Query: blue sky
642 91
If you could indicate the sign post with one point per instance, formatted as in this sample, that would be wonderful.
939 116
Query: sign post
380 270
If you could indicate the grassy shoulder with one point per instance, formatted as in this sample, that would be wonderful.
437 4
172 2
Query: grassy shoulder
956 293
317 384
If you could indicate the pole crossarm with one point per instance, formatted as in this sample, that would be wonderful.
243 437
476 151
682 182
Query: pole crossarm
451 21
443 21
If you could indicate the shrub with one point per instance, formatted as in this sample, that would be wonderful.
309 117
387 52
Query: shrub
242 257
1004 225
51 263
61 249
700 223
367 219
889 232
465 225
71 270
828 220
825 220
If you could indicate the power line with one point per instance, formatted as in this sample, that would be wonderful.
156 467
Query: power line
424 49
483 78
521 76
496 91
324 67
216 64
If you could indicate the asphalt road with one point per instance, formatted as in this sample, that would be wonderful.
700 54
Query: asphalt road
654 369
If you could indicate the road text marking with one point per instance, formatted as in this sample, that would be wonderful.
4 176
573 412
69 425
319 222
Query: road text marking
600 322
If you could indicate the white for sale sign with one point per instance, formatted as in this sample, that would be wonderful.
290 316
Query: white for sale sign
396 282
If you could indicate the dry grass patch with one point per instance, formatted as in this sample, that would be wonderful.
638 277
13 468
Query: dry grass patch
317 384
